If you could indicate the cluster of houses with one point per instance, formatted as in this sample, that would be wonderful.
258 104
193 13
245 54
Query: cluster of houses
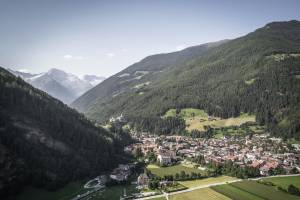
119 118
261 150
122 172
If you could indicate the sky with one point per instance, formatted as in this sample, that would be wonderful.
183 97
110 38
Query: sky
103 37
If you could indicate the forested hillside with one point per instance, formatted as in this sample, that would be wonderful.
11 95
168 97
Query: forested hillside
45 143
139 76
257 73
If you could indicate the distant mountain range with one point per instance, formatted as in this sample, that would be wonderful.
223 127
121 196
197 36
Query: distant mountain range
258 73
59 84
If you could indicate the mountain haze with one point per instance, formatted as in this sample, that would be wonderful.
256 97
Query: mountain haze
257 73
59 84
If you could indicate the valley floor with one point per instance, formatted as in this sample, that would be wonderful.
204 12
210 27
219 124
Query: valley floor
235 189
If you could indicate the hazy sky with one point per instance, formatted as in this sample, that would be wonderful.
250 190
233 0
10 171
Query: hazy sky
103 37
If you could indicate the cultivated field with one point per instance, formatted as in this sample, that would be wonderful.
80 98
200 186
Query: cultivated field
284 182
235 193
206 181
263 191
172 170
201 194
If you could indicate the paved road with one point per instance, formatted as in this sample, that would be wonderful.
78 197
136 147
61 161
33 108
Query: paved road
166 195
188 190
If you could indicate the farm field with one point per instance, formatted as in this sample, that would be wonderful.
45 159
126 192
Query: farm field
235 193
172 170
206 181
263 191
200 194
284 182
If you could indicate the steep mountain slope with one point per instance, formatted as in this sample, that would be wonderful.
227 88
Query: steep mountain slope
257 73
139 75
44 142
59 84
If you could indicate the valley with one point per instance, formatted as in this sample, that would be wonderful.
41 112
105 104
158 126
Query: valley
214 121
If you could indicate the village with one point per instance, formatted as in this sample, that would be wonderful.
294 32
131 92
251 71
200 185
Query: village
162 162
261 151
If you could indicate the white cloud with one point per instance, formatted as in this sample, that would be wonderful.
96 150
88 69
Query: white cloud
70 57
110 55
23 70
180 47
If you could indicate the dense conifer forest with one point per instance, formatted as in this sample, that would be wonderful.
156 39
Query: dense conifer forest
257 73
45 143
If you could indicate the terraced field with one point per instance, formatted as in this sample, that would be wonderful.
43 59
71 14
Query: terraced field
200 194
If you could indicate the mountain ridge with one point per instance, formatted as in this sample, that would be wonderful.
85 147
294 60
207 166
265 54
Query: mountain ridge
137 74
217 80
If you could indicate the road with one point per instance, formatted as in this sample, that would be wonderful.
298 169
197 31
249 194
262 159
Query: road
166 195
188 190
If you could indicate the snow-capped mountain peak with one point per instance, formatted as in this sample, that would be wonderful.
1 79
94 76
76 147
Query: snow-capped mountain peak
60 84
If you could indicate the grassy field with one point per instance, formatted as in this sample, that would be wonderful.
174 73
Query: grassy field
198 123
240 131
66 193
201 194
197 119
71 190
293 141
235 193
172 170
159 198
114 192
152 166
174 188
263 191
284 182
187 113
206 181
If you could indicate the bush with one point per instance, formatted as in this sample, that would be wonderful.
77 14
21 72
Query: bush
293 190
